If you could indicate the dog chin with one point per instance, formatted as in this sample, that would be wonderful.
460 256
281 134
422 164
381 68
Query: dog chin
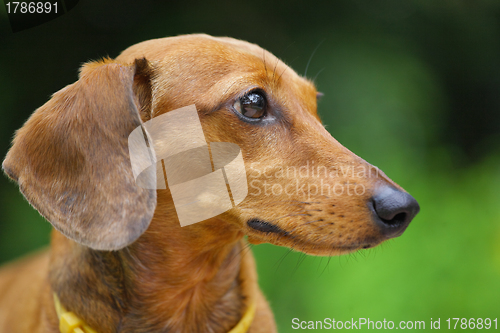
324 250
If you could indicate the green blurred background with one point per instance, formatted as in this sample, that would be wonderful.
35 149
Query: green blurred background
411 86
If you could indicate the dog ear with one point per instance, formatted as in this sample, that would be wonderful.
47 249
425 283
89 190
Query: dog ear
71 158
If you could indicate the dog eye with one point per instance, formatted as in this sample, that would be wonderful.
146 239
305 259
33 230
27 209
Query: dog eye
252 105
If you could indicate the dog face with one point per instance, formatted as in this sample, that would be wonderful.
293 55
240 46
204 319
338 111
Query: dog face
306 191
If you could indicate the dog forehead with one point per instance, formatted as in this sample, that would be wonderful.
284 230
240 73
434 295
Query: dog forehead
206 56
202 69
190 46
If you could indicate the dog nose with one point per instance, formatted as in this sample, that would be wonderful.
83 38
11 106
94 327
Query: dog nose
394 210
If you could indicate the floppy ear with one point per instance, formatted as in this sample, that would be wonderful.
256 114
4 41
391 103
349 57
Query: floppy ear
71 158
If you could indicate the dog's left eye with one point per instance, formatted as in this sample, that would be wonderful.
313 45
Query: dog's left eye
252 105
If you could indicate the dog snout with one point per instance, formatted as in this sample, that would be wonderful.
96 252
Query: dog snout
393 210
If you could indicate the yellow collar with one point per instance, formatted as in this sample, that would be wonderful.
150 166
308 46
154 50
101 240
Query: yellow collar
71 323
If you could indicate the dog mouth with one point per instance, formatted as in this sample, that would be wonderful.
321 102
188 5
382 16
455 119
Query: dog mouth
266 227
264 231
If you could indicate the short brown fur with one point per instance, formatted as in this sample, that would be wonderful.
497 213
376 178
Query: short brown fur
118 257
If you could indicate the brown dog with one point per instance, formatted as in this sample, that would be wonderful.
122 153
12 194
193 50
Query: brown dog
119 260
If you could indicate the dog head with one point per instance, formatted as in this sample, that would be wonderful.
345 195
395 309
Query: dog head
305 190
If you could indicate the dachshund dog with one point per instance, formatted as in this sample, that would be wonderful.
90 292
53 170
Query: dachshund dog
119 260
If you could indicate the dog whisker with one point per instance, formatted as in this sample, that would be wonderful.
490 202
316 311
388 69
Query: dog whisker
314 79
312 55
264 60
274 70
320 220
301 259
280 261
230 86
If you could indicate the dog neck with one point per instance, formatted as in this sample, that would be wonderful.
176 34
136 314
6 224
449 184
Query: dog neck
171 279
